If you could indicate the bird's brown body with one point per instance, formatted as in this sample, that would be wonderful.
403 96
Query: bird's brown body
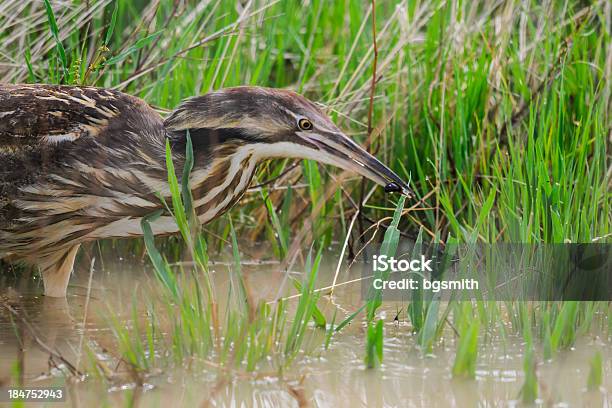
80 164
60 181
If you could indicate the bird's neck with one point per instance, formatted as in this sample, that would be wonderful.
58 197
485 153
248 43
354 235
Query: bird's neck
220 177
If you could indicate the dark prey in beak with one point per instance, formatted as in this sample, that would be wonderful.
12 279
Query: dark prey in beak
392 188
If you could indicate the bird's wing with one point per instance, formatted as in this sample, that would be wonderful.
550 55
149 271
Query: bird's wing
44 115
43 127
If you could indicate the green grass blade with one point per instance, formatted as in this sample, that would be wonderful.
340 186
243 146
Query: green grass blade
143 42
55 33
111 27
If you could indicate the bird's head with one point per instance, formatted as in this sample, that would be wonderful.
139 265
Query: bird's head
276 124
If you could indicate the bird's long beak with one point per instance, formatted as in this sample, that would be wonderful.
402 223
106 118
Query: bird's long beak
341 151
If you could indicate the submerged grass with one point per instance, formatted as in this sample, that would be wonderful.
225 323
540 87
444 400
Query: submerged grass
595 373
467 346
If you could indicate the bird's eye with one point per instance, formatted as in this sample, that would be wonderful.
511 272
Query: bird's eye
305 124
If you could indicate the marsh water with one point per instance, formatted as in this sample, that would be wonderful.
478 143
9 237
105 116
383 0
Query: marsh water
323 377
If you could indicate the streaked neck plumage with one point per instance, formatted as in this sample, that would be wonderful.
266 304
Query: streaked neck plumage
220 178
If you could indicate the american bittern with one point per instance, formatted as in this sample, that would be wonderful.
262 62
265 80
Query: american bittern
79 163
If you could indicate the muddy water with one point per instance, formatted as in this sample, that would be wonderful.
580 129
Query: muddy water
333 377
